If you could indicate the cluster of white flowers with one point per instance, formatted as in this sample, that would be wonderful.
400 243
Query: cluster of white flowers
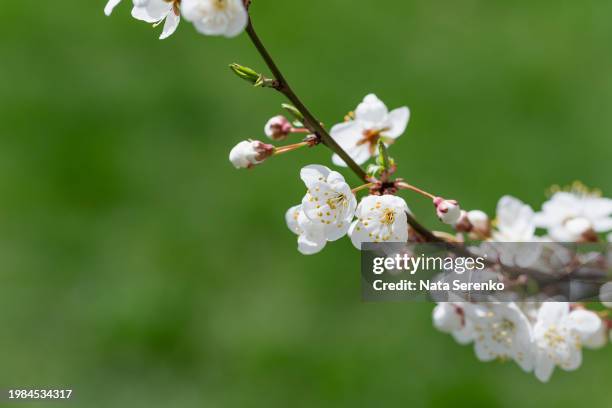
538 336
329 207
210 17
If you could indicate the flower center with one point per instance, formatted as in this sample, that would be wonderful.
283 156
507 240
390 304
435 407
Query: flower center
503 331
337 201
220 4
553 338
388 217
371 138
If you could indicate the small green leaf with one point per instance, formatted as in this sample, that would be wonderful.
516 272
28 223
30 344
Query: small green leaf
246 73
293 111
383 159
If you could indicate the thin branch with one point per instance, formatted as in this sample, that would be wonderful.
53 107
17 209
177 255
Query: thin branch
310 121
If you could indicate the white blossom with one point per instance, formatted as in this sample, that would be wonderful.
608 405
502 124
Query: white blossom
216 17
311 236
155 12
329 201
559 334
380 219
249 153
372 122
570 216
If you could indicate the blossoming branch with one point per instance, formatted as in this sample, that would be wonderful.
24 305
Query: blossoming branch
538 335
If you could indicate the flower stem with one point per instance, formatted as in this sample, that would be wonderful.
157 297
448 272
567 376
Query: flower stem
299 130
290 148
365 186
405 186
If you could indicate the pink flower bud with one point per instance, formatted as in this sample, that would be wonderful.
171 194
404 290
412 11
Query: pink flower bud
448 211
249 153
278 128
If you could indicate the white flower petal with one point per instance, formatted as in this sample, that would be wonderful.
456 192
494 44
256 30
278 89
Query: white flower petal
544 367
552 313
311 244
602 224
228 18
170 26
515 219
584 322
291 218
398 121
372 110
313 174
110 6
153 11
446 318
238 22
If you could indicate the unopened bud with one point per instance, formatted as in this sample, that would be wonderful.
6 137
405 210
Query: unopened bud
249 153
448 210
278 128
246 73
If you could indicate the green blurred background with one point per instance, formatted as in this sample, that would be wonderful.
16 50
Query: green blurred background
142 270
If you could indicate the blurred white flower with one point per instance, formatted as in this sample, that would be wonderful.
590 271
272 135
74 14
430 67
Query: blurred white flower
448 211
605 294
448 317
226 18
380 219
515 221
155 12
372 122
574 216
480 222
502 331
329 201
559 335
249 153
311 236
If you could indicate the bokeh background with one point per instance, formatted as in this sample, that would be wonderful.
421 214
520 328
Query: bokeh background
141 270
